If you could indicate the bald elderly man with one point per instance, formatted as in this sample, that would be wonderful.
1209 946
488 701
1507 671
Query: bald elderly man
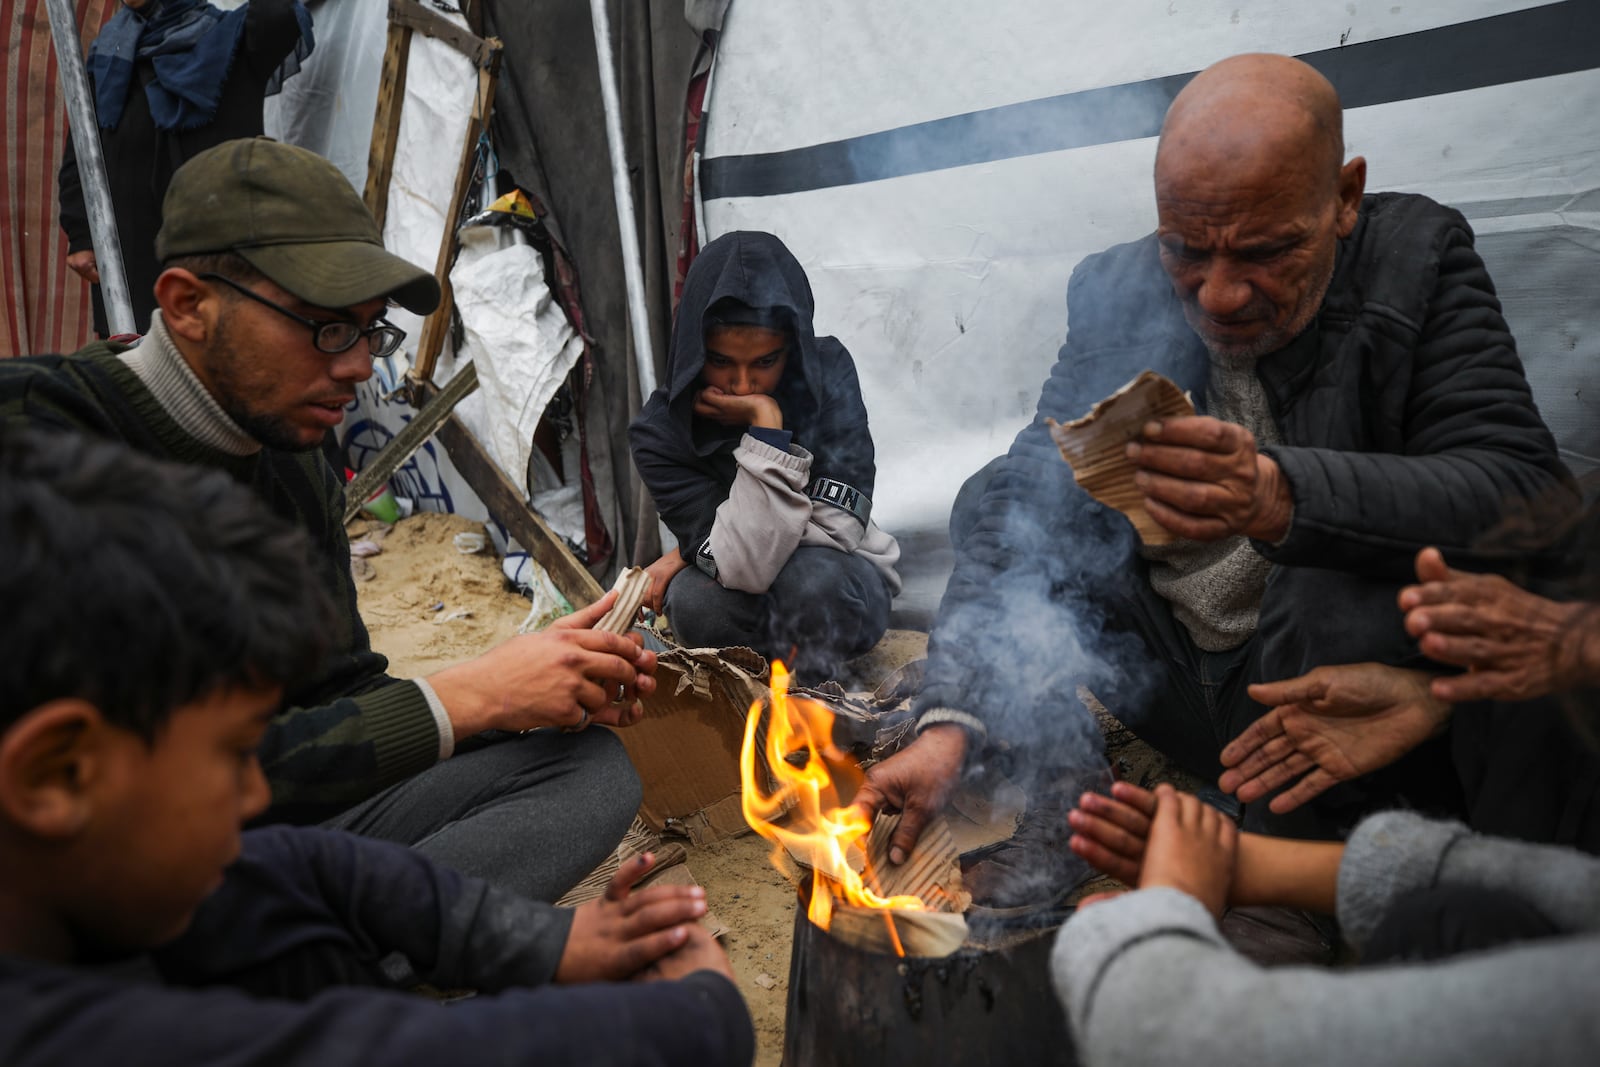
1360 397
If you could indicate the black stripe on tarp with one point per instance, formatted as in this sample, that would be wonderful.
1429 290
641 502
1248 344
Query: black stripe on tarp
1518 46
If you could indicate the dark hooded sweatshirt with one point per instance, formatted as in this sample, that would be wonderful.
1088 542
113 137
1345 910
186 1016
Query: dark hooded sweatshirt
740 502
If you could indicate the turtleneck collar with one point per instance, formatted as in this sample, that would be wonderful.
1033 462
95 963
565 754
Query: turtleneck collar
158 364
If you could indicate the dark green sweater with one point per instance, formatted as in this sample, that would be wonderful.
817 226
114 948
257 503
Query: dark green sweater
350 731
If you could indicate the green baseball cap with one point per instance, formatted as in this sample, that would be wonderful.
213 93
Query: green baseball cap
292 216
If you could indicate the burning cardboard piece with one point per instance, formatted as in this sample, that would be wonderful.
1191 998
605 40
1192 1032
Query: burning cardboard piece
900 931
1094 445
633 585
798 786
931 873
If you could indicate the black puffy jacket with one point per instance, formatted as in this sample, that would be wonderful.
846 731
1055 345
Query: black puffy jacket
1409 424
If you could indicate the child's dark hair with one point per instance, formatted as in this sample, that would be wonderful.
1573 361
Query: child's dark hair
140 586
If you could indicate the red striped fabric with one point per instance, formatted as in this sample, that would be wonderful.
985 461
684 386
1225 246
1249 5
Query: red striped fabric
46 306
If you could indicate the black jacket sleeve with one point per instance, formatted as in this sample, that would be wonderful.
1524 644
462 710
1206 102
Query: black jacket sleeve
55 1016
1472 447
1010 644
270 33
840 440
74 215
296 887
686 497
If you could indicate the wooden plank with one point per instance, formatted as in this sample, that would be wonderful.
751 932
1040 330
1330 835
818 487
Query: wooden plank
411 14
510 507
386 121
411 437
431 341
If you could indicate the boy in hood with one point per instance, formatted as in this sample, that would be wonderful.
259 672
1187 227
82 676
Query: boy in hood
156 612
759 458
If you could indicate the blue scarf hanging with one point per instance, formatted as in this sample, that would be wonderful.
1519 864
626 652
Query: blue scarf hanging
190 45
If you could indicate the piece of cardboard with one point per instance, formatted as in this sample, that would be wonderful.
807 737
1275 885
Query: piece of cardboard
686 746
1095 446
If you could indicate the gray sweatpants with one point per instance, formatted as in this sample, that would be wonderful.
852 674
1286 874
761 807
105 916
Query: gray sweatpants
533 813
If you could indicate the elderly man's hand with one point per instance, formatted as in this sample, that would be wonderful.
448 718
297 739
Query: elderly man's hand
569 675
1514 645
1329 726
1203 479
916 781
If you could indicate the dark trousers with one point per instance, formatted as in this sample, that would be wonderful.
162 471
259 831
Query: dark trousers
1531 771
533 813
824 607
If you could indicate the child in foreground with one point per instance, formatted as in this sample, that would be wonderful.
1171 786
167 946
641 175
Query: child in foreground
1474 949
153 616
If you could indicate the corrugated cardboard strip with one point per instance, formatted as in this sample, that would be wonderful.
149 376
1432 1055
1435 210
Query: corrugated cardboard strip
1094 446
686 747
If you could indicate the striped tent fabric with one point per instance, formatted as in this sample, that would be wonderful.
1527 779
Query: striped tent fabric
47 307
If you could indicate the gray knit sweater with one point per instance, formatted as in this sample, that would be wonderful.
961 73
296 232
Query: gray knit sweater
1215 587
1146 978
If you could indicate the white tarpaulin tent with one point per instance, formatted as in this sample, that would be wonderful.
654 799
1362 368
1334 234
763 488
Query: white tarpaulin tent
939 167
515 333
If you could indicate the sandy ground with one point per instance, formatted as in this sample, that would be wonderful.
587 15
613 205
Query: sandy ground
413 599
419 580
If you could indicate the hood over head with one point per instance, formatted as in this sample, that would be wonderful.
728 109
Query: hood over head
756 270
748 278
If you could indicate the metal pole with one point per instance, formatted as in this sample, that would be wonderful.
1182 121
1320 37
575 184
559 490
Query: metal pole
632 269
91 167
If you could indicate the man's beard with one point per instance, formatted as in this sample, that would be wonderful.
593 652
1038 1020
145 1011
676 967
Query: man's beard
1273 337
271 431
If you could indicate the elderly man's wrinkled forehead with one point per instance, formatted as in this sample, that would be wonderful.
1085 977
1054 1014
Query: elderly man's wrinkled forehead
1263 116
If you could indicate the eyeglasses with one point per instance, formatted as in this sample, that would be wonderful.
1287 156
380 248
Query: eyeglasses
332 336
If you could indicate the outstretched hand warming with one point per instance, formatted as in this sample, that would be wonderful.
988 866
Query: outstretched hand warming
1514 645
1329 726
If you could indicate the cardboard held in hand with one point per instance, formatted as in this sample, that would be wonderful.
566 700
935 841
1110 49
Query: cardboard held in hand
1095 446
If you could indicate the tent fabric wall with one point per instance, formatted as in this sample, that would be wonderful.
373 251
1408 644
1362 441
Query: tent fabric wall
549 130
939 168
47 307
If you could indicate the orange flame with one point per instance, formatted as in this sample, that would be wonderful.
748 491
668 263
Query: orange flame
815 827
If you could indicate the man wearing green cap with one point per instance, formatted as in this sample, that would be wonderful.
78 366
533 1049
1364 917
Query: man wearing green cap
271 297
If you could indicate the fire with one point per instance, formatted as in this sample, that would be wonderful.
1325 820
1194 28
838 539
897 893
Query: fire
804 815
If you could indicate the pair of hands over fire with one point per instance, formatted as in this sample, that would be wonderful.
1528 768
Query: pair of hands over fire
649 934
1161 838
1336 722
568 675
1341 722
